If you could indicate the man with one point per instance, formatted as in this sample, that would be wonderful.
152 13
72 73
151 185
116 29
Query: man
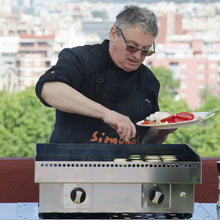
100 91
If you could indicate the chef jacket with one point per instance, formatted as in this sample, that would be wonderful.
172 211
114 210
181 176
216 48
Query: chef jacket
90 70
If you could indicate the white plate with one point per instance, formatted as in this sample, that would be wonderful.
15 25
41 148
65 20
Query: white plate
199 116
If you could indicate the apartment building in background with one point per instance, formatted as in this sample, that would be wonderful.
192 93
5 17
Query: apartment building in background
194 63
33 58
193 59
188 40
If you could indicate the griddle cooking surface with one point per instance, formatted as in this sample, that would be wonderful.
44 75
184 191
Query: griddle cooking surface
116 216
111 152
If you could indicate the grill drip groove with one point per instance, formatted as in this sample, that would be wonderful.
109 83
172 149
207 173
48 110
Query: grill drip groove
117 165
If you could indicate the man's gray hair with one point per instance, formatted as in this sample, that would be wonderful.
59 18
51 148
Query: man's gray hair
134 15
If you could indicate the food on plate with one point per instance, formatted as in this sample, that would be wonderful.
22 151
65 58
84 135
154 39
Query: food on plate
179 117
167 117
157 116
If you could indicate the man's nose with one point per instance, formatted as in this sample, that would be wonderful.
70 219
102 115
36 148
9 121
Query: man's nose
137 54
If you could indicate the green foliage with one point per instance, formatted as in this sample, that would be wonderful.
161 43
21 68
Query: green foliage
24 121
169 86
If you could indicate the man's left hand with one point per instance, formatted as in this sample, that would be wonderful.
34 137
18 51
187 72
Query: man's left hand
155 136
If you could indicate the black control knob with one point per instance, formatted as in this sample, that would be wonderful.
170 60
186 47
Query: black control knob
78 195
156 195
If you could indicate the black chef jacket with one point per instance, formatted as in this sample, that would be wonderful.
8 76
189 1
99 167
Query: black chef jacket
90 70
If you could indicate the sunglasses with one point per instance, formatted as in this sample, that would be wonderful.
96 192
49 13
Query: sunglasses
132 48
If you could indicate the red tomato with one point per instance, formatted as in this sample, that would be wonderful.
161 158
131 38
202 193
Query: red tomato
170 119
185 115
179 117
145 123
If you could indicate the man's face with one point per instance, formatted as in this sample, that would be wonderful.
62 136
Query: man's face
129 61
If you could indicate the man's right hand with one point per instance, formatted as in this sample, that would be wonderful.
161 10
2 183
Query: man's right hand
121 123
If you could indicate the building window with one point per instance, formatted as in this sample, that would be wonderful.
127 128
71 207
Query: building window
213 76
183 66
183 76
183 86
48 64
27 72
27 63
208 44
37 62
218 68
174 67
18 63
201 86
11 32
201 76
27 44
213 66
28 82
201 66
183 95
42 44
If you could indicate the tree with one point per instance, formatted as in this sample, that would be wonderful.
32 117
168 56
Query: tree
24 121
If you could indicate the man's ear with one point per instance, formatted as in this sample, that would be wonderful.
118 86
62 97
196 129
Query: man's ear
113 33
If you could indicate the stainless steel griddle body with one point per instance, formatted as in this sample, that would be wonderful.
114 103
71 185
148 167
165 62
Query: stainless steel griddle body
109 178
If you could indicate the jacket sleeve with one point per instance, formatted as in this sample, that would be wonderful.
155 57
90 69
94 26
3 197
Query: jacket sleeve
68 69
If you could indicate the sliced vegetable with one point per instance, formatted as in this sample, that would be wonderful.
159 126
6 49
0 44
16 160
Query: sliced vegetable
146 122
170 119
179 117
185 115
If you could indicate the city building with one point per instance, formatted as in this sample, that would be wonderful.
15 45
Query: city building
33 58
13 25
193 58
9 80
195 62
100 28
169 24
8 49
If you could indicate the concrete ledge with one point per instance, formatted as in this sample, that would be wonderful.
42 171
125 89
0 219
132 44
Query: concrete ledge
17 181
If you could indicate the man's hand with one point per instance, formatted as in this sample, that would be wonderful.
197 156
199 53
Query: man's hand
155 136
121 123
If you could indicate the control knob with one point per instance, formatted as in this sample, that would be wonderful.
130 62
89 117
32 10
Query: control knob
78 195
156 195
